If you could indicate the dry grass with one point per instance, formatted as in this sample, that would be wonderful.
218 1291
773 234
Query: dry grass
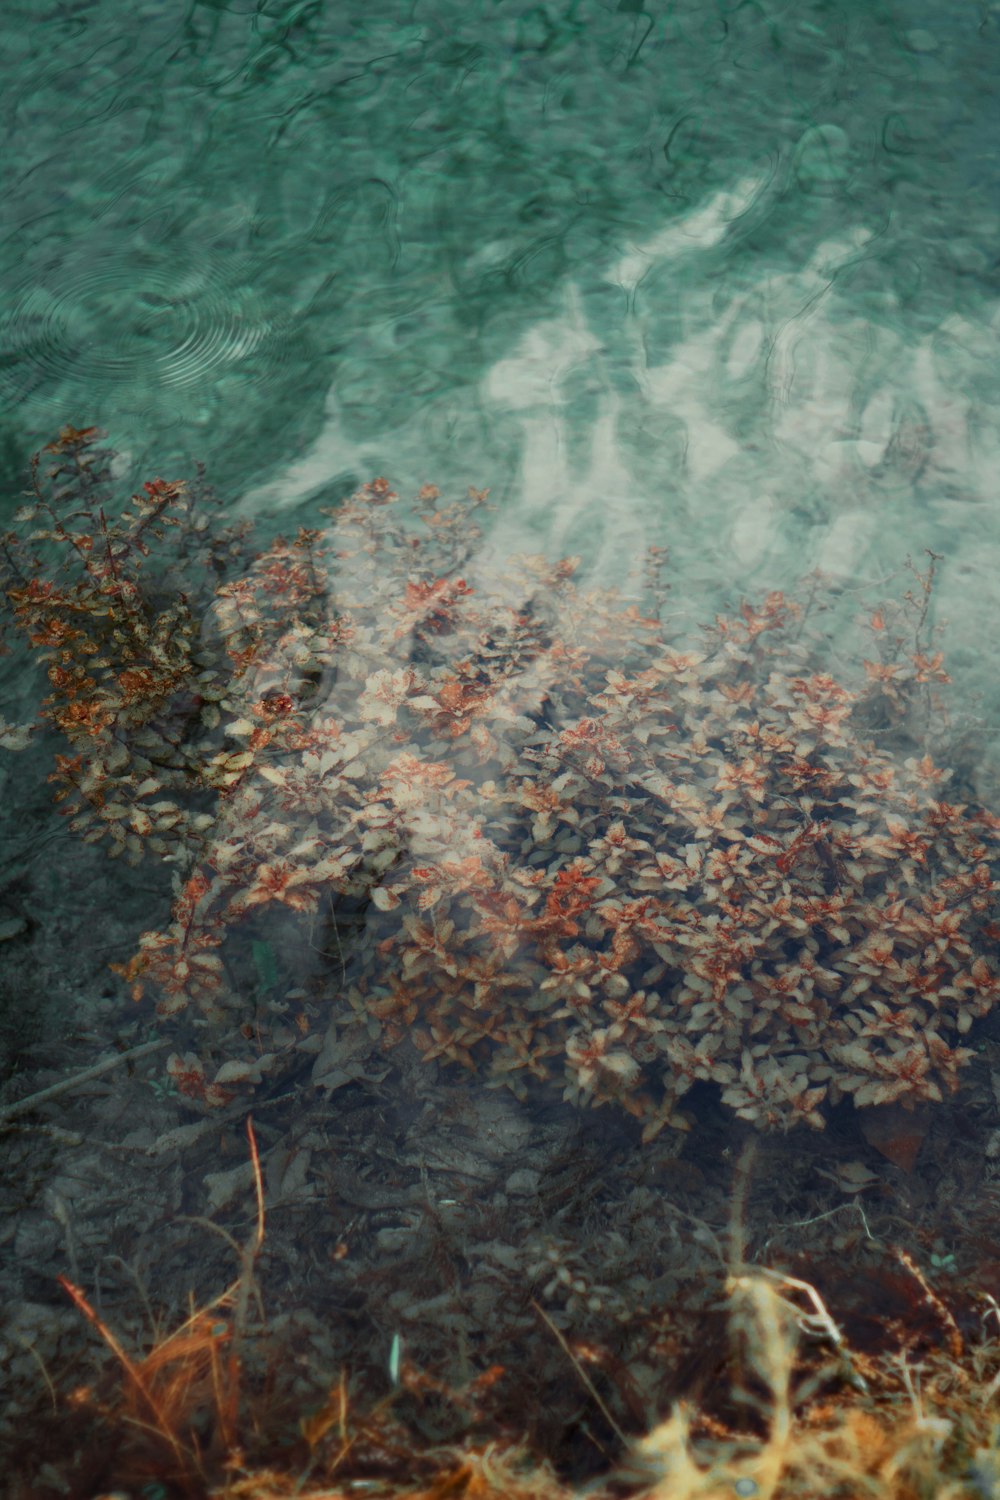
813 1418
931 1438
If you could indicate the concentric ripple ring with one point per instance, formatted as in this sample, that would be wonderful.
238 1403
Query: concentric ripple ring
121 316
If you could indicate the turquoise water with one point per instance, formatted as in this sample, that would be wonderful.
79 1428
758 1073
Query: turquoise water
728 266
713 274
717 274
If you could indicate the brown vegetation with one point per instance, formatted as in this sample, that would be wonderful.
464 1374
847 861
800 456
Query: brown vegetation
425 803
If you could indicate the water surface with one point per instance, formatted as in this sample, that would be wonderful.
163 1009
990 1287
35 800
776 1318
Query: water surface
719 275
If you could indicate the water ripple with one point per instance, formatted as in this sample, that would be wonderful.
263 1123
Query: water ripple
126 316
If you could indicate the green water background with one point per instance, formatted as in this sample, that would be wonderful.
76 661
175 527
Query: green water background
721 275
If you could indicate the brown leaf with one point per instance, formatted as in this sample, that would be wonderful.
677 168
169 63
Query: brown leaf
895 1132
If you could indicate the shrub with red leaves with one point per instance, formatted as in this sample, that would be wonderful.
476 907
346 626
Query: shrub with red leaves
574 846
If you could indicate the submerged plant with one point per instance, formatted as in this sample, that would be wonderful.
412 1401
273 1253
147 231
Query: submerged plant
571 845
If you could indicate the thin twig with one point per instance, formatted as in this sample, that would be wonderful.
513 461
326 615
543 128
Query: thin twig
132 1370
66 1085
244 1287
591 1387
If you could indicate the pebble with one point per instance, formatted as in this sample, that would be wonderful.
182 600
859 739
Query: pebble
822 158
967 259
523 1183
921 41
393 1239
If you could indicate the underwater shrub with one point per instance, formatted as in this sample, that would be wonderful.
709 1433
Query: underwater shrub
572 845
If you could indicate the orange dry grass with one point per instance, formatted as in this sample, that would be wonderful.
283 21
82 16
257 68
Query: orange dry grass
195 1369
889 1433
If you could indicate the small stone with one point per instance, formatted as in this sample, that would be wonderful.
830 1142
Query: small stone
822 158
393 1239
967 258
523 1183
12 927
921 41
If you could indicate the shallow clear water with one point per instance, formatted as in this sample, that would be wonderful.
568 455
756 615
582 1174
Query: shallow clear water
725 271
718 275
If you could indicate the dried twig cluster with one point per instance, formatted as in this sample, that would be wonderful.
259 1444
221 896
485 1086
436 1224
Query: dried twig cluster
571 846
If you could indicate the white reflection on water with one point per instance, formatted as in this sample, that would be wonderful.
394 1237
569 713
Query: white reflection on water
762 424
762 421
